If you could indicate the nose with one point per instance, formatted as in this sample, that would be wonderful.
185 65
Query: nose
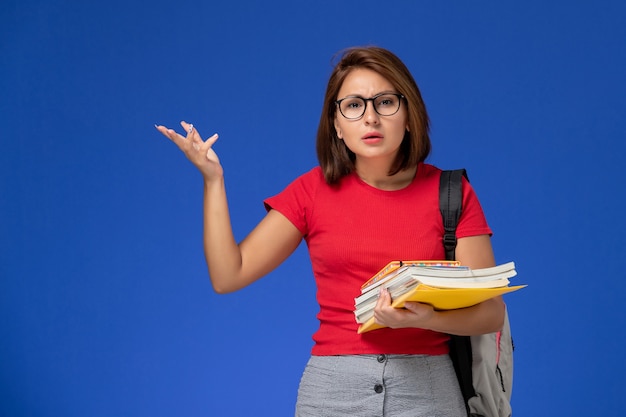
370 116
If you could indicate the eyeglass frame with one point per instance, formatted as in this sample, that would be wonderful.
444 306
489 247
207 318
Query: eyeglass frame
400 97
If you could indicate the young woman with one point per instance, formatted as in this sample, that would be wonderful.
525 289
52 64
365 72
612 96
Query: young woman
371 200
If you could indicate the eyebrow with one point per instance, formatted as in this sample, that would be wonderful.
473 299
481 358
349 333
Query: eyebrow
375 95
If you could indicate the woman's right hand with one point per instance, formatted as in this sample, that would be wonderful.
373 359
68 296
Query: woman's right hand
199 152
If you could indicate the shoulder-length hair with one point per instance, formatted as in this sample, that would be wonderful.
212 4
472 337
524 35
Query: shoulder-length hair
334 157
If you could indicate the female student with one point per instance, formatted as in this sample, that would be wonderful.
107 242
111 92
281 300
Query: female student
372 199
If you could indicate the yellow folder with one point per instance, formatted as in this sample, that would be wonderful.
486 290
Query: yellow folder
442 299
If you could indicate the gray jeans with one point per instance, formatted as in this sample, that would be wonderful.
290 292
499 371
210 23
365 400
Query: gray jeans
379 386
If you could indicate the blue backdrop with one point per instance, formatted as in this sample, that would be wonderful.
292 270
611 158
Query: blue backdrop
105 305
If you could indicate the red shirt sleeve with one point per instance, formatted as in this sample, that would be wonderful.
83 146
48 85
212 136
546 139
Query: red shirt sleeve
296 201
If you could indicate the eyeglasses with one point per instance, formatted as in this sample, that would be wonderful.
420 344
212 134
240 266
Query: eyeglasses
385 104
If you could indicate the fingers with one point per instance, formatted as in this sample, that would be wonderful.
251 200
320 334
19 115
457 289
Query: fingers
191 132
192 137
210 141
170 134
165 131
384 298
412 307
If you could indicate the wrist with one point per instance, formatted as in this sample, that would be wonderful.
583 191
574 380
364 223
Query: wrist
434 321
213 187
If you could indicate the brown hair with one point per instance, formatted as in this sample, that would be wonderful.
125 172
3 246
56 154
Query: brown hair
334 157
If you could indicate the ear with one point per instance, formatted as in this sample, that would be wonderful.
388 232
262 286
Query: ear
338 129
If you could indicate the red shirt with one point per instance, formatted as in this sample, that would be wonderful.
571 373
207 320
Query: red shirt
352 230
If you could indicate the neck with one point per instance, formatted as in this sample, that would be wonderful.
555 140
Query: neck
378 177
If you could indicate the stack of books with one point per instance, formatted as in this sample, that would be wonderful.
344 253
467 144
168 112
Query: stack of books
445 285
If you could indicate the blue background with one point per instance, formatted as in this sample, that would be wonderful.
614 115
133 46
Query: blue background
105 305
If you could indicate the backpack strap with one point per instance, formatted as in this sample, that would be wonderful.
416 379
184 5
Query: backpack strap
450 205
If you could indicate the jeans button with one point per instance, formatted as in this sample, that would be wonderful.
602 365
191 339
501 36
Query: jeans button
378 388
381 358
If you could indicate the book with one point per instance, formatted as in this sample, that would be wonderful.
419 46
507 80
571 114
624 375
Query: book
443 286
464 272
395 267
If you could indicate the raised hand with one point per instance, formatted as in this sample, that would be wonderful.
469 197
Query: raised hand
199 152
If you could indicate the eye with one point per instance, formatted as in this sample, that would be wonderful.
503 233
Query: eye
352 103
386 101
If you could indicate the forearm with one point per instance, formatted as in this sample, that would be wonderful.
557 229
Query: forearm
486 317
221 251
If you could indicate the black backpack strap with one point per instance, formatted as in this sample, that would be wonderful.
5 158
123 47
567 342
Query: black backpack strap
450 205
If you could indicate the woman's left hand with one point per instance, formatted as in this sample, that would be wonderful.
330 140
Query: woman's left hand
413 315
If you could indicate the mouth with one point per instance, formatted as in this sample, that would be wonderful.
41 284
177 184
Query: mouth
372 136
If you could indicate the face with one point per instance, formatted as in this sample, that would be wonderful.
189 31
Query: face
371 137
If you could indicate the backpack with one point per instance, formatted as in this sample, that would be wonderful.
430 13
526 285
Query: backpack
483 363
